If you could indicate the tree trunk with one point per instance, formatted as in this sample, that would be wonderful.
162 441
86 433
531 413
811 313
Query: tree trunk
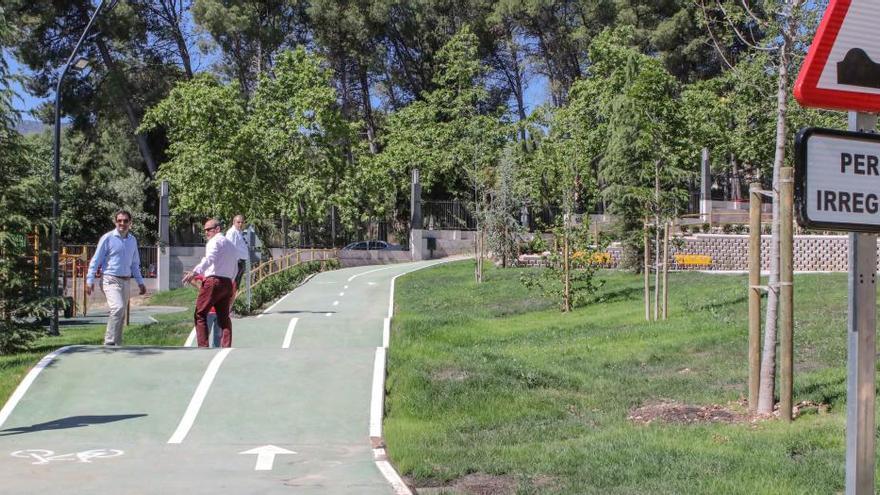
130 112
184 53
647 263
517 84
656 239
768 361
566 266
666 270
368 108
165 10
735 187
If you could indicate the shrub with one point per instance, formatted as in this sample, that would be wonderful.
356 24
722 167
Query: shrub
538 244
727 228
706 228
274 286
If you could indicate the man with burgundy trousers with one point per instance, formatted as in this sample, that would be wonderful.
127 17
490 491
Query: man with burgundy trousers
218 268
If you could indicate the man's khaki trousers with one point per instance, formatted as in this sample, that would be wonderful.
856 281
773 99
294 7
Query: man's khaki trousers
117 290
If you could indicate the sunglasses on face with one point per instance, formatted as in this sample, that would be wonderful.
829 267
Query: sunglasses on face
208 229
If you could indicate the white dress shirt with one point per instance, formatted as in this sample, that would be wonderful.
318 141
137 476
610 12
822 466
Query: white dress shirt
234 235
221 258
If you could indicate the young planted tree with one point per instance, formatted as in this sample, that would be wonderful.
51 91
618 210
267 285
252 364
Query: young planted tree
630 106
499 216
564 154
788 24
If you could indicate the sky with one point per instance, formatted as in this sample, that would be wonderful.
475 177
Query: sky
23 101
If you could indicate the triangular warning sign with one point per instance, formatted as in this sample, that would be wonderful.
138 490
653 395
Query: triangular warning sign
842 68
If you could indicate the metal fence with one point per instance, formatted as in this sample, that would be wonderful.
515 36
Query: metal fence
84 253
447 215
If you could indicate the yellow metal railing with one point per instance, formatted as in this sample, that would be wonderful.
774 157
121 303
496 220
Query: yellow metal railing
277 265
76 265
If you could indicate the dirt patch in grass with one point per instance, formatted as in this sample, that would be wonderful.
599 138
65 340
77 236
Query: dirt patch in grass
670 411
667 411
485 484
450 375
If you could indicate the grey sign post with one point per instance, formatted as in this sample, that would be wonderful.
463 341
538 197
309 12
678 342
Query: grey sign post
861 348
838 188
163 268
251 242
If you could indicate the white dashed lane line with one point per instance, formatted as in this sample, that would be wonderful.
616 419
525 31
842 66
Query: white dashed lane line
189 417
289 335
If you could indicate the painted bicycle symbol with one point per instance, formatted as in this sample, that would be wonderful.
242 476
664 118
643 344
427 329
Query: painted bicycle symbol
43 456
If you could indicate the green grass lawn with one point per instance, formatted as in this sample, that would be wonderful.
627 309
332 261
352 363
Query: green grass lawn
493 380
172 329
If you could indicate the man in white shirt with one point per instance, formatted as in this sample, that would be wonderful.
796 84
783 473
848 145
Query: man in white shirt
218 268
117 257
237 239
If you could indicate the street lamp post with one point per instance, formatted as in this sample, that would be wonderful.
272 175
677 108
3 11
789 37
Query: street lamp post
56 171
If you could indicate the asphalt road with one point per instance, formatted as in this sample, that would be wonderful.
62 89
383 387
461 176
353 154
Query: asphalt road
286 410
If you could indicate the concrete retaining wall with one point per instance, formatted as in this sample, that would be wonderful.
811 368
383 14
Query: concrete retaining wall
812 253
447 243
730 252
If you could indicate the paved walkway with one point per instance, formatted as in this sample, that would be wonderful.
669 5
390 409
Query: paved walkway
287 410
139 315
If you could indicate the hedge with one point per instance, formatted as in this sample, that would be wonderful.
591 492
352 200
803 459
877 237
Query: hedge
275 286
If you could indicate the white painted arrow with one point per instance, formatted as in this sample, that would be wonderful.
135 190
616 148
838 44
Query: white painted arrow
266 456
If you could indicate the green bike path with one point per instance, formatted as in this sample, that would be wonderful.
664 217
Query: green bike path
287 410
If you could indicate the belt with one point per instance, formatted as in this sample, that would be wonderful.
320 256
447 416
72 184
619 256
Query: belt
117 276
219 277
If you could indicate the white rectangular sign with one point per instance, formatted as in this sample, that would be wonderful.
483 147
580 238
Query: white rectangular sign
837 180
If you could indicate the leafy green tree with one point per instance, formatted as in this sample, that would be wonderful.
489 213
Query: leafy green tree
449 133
250 33
349 35
450 136
211 166
300 136
129 67
97 178
22 305
285 152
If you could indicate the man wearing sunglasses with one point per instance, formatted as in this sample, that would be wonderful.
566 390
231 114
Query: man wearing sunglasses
218 268
117 257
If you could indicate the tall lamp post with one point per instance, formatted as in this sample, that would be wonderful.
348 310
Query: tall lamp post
56 169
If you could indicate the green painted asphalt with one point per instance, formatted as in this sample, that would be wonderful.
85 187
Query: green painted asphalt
99 420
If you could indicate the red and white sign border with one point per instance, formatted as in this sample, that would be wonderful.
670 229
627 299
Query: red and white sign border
806 90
